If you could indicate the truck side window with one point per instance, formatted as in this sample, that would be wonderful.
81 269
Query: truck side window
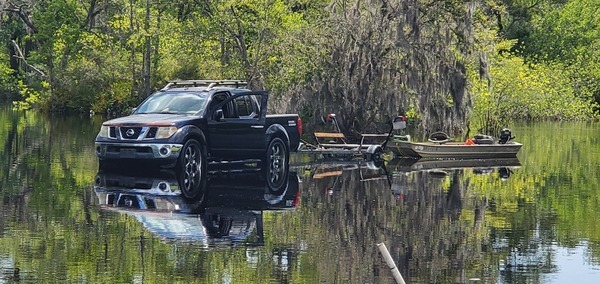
217 99
242 107
227 108
247 107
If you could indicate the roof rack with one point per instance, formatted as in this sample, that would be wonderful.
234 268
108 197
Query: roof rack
204 83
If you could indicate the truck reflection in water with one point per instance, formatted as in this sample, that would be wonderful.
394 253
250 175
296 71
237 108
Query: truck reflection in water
229 210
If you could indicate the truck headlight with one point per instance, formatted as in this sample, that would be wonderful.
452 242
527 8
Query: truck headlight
165 132
103 131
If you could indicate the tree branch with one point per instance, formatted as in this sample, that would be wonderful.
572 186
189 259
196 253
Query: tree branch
24 17
20 56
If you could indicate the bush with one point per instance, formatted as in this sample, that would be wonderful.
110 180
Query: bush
527 91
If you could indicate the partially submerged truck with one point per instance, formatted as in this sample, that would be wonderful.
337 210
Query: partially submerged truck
189 124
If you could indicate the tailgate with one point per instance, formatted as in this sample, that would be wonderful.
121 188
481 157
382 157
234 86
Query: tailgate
290 123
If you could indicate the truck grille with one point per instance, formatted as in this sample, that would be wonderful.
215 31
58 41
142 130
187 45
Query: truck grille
112 133
151 132
130 132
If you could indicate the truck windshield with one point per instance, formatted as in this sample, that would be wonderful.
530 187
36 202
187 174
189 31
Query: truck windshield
174 103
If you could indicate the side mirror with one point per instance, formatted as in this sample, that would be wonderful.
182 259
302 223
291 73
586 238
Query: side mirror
219 115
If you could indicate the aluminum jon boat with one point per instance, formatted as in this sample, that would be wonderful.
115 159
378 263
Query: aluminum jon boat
438 146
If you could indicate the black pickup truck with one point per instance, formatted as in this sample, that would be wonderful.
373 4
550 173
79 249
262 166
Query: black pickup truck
189 124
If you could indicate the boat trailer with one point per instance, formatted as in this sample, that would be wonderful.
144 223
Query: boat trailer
336 145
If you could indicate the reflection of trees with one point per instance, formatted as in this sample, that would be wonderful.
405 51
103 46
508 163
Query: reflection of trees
446 229
551 203
441 247
524 243
440 229
424 230
37 147
51 232
44 189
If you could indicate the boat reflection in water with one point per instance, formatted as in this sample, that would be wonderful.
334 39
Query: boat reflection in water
331 171
504 166
229 210
441 168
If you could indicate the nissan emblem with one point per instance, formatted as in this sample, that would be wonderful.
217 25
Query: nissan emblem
130 132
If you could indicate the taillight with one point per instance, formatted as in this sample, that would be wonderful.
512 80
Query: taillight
299 125
296 199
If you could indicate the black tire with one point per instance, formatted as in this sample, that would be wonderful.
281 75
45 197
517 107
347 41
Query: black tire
376 155
192 168
277 164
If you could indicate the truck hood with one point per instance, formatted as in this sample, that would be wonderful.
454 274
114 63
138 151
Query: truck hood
148 119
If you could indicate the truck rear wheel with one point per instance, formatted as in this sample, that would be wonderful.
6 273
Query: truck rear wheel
192 167
278 158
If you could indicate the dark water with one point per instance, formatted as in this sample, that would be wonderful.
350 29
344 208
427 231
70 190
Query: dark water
530 220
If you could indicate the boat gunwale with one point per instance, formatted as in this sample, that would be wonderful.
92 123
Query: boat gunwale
457 144
451 150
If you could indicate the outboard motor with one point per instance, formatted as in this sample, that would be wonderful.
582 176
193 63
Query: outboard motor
504 173
505 136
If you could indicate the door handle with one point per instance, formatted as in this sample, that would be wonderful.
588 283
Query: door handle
258 126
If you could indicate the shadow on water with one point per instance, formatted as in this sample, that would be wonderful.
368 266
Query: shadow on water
228 211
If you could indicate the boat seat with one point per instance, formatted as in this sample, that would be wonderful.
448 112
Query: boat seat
333 137
483 139
329 135
439 137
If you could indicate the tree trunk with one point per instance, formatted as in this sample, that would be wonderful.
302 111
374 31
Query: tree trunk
134 80
147 53
385 57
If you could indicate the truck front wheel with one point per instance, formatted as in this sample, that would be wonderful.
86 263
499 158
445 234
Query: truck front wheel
192 167
278 158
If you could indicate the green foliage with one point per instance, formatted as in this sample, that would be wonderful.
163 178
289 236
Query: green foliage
513 18
9 26
8 80
569 33
34 97
58 24
348 56
526 91
94 81
412 114
565 32
253 40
